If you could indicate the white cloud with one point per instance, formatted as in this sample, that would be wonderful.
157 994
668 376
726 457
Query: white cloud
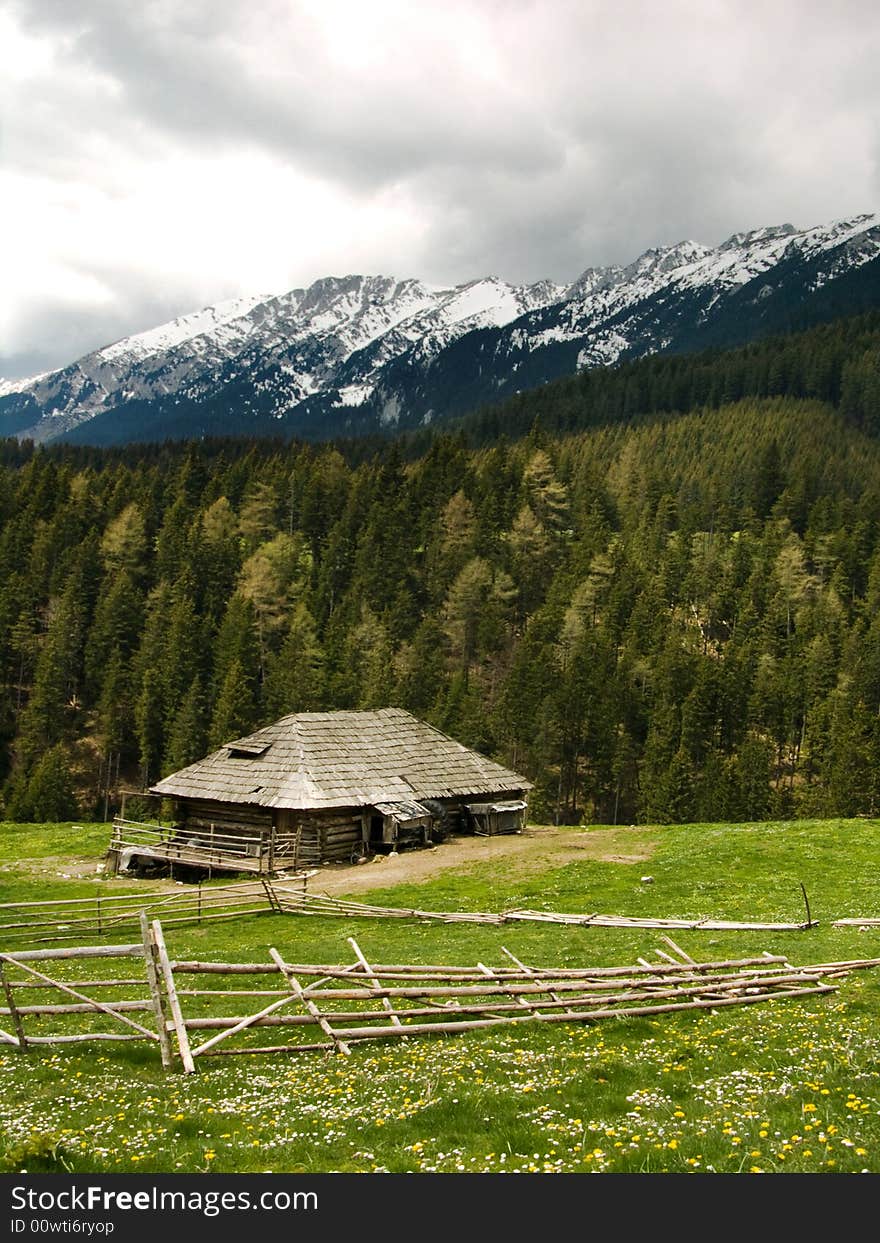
160 156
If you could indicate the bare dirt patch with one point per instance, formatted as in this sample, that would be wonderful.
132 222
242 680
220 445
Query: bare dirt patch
535 850
68 867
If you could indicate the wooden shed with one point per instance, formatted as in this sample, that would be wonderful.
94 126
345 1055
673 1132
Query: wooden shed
317 787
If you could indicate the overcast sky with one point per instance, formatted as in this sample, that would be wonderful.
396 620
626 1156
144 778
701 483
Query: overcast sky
162 155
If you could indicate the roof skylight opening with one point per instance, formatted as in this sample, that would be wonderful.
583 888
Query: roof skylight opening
247 750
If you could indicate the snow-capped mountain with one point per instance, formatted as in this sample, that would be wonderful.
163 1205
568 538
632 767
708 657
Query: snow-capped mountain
331 339
357 354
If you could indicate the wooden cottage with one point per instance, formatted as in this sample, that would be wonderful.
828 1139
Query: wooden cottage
317 787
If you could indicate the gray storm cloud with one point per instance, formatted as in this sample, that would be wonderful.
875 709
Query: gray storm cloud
521 139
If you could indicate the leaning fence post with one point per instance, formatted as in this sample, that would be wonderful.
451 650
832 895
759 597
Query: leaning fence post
155 991
809 922
173 1002
13 1010
316 1014
386 1001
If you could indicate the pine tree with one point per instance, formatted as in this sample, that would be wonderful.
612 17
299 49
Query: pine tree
48 795
752 779
236 642
54 703
124 543
368 658
235 712
149 724
115 712
187 736
295 681
116 628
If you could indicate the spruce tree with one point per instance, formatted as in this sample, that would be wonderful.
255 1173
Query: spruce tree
295 680
187 736
235 711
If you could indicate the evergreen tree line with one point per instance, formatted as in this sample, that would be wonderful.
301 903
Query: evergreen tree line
837 362
666 621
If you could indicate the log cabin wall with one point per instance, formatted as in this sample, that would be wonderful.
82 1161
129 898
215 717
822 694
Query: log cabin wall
240 818
302 838
330 836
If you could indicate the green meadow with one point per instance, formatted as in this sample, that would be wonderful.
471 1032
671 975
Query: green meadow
790 1085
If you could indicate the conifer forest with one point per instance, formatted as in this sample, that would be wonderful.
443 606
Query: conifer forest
654 589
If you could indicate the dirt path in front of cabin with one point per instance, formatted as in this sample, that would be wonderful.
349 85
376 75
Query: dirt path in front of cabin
534 850
521 854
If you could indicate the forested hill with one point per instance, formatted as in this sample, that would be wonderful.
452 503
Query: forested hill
671 619
838 362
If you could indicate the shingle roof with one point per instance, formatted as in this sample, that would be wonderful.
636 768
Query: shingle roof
341 759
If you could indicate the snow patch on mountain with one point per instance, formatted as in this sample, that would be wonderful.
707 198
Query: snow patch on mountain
341 339
175 333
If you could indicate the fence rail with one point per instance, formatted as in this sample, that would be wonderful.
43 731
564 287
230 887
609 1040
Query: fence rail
331 1007
300 902
205 846
68 919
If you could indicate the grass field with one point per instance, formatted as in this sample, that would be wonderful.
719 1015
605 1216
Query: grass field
790 1085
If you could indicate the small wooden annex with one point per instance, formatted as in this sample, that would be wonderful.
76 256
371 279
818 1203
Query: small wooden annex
319 787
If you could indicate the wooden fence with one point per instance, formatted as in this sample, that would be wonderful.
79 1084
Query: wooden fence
205 848
298 901
69 919
331 1007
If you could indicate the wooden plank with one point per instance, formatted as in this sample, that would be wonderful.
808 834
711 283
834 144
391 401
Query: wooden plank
173 1002
735 987
78 1007
114 1036
386 1001
324 1046
666 957
197 967
127 983
13 1010
78 951
298 991
242 1024
677 949
156 991
585 1016
92 1001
